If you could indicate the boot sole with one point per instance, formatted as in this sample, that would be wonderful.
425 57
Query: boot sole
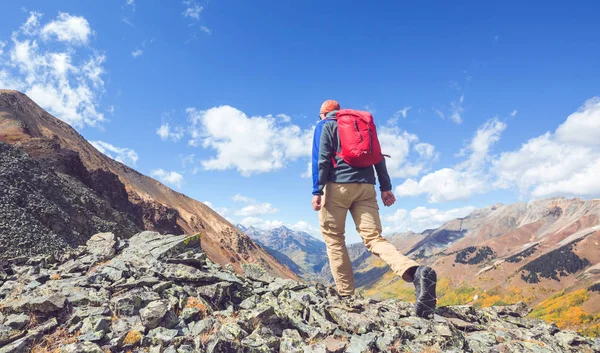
426 302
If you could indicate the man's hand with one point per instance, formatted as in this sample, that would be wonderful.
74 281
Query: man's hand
387 197
316 202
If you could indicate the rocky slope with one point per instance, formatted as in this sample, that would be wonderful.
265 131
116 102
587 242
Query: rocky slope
301 252
109 190
155 293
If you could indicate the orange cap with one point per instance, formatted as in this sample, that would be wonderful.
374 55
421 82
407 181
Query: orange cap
328 106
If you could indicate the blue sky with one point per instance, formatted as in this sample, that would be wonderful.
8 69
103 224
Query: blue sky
476 103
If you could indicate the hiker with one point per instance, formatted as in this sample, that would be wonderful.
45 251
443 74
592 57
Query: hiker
343 181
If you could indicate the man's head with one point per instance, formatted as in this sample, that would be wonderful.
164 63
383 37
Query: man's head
327 107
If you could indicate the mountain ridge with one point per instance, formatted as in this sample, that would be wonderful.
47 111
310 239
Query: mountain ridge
55 144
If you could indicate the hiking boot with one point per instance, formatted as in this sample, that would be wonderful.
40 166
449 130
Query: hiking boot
425 280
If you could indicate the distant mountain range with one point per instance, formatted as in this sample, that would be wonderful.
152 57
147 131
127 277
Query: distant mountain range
301 252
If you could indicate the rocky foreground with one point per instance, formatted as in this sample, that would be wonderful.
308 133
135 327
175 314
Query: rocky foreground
155 293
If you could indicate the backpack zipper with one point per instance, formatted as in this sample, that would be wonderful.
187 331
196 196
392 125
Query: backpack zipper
357 130
370 140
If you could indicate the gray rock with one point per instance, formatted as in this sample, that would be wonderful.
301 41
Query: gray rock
334 345
363 343
153 313
261 340
352 322
161 335
47 304
81 347
17 322
291 342
389 339
102 245
257 273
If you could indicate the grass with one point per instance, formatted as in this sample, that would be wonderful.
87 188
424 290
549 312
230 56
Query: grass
51 343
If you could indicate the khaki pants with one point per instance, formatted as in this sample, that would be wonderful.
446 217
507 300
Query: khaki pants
361 200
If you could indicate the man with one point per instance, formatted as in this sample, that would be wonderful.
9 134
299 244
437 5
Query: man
339 188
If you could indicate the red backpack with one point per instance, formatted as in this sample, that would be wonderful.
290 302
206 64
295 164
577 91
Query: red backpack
358 138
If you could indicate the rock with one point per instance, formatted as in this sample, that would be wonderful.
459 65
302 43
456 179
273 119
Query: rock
17 322
161 335
333 345
291 342
351 322
389 339
81 347
153 313
102 245
21 345
519 309
261 340
257 273
362 343
47 304
9 334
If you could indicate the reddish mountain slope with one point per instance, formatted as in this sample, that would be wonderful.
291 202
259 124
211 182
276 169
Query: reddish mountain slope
23 124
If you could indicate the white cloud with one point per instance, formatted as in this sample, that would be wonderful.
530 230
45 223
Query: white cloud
308 172
439 113
130 3
253 208
409 157
127 22
404 111
466 178
59 81
123 155
172 178
565 163
260 223
486 136
583 126
2 45
32 25
443 185
220 210
457 109
400 113
285 118
302 226
165 132
514 113
67 28
421 218
205 29
242 198
192 9
137 52
256 210
188 160
248 144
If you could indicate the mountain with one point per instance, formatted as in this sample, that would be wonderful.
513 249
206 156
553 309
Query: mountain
63 190
301 252
545 252
159 293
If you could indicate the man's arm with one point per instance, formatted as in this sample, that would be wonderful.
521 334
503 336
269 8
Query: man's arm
326 151
385 183
315 158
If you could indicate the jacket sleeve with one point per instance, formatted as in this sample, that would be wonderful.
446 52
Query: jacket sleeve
315 158
326 151
385 183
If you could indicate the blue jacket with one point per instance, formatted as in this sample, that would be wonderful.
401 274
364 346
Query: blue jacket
325 145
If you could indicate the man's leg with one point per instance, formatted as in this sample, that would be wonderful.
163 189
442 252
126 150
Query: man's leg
332 217
365 213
